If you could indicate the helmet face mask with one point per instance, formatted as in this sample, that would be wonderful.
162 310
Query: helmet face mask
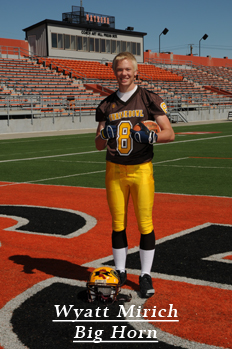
103 285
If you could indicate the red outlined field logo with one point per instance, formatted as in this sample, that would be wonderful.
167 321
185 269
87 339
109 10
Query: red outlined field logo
40 269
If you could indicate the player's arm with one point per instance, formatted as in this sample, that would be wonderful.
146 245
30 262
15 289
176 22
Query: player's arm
105 131
167 134
99 142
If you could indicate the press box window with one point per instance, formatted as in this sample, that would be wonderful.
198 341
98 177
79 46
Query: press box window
85 44
103 45
107 46
133 48
60 41
113 46
73 46
54 40
91 44
123 46
57 40
97 45
118 46
67 42
79 43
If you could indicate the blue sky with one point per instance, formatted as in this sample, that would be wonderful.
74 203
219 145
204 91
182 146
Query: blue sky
187 21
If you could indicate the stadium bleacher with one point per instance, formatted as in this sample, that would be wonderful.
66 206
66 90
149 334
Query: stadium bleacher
50 89
56 85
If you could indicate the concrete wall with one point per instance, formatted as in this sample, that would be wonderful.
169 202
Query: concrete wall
87 122
205 115
46 124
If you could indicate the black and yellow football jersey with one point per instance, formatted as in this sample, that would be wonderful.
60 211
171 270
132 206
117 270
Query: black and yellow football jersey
142 105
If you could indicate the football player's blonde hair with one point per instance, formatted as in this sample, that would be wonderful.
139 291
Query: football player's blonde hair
124 55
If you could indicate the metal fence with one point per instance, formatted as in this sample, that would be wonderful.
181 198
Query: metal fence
37 105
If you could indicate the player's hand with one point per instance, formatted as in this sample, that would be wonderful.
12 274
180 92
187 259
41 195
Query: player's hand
109 131
144 135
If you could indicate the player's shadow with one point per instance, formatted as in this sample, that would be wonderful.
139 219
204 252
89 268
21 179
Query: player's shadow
55 267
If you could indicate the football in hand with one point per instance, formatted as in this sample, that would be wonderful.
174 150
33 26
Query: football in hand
151 125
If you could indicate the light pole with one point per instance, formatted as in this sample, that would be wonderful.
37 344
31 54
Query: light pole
165 31
204 38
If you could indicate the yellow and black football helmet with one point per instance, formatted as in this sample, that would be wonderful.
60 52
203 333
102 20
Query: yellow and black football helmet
103 284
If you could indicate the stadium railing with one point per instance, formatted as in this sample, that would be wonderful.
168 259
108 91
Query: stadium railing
180 94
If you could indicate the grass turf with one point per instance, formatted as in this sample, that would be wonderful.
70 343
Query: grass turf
197 163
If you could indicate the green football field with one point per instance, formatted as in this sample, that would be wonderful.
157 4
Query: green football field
199 161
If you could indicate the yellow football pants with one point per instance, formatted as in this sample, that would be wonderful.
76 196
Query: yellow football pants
137 181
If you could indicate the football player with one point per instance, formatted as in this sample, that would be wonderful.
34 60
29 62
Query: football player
129 170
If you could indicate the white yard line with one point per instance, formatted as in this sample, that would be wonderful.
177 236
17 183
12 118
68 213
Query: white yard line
51 178
166 163
82 162
96 151
194 140
61 177
161 162
49 156
215 167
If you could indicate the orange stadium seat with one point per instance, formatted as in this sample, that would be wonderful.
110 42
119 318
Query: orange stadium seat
52 78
